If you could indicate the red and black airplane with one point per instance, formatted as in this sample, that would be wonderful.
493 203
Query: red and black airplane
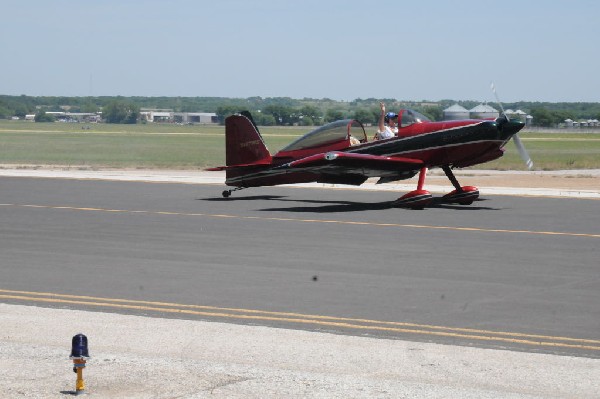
341 153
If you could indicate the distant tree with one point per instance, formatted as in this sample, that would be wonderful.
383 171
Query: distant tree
42 116
333 115
20 109
306 121
89 107
120 112
433 113
286 115
263 119
113 112
133 114
542 117
364 116
5 113
283 114
225 111
561 116
311 112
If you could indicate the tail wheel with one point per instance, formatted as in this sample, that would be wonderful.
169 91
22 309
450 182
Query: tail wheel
227 193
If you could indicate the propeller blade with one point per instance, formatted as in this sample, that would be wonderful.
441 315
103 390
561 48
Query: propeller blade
493 87
523 152
504 119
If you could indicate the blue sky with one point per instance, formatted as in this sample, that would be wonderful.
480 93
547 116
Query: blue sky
533 50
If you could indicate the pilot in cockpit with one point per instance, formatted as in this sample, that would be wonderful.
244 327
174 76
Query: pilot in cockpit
388 124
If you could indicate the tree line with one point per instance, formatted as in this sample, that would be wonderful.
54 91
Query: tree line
271 111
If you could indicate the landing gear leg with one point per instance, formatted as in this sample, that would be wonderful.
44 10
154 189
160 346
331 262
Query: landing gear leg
451 177
462 195
419 198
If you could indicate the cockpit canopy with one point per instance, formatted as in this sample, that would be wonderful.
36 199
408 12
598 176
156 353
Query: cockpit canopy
408 117
329 135
342 134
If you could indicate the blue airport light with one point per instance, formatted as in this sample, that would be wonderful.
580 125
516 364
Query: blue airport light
79 347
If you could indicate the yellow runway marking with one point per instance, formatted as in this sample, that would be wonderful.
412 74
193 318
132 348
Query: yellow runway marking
559 139
317 320
342 222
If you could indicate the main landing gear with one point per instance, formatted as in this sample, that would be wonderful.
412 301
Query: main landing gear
461 195
420 198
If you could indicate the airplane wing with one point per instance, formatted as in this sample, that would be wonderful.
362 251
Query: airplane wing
340 161
352 168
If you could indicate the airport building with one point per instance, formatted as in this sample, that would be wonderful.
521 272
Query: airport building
169 116
64 116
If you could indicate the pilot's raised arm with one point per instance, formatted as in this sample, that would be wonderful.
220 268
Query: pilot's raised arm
387 124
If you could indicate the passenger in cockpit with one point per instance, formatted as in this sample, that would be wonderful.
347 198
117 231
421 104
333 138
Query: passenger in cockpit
388 124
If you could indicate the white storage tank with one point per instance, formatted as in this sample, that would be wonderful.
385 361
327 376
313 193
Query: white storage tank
455 112
484 111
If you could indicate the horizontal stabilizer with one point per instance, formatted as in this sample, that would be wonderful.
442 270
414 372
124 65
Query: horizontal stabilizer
264 162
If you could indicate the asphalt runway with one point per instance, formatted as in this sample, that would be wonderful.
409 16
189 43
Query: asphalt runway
506 272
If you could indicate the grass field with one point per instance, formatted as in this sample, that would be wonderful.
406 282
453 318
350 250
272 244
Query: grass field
170 146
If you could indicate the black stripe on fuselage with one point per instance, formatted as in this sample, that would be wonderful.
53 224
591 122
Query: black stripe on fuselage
469 134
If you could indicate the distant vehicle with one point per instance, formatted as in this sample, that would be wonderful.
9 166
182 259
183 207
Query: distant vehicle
341 153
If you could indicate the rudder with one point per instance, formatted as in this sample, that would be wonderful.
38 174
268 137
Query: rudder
243 143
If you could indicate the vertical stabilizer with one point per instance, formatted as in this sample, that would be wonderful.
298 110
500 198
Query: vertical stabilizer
243 143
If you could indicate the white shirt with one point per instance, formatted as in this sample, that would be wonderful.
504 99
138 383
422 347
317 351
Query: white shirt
387 133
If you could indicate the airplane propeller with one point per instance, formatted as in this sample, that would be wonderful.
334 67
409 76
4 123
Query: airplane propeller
523 152
516 139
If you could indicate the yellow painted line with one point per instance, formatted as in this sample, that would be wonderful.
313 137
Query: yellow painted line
290 314
295 318
341 222
549 196
558 139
